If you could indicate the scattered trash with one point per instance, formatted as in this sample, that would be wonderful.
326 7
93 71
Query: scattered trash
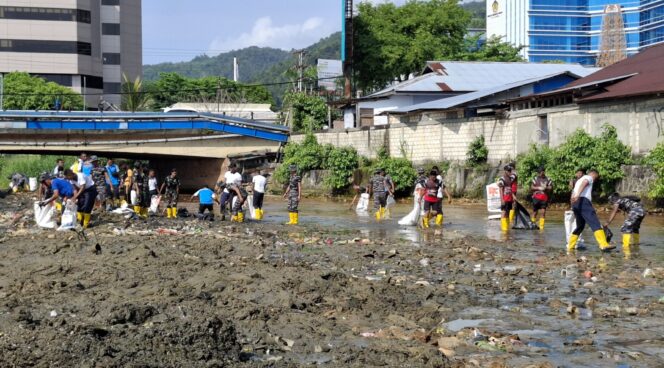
648 273
424 262
53 314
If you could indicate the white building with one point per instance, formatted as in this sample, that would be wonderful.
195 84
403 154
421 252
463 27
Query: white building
82 44
508 19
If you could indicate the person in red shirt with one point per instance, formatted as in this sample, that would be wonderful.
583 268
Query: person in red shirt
505 183
432 206
541 188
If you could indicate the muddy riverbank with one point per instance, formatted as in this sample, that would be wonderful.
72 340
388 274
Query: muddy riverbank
344 293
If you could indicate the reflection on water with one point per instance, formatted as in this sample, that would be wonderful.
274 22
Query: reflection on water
467 219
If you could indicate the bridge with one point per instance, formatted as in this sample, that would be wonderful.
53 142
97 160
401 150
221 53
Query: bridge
198 144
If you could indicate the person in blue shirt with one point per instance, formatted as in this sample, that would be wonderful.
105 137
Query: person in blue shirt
206 197
62 189
114 175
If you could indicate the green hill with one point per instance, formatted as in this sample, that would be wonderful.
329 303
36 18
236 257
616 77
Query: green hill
257 64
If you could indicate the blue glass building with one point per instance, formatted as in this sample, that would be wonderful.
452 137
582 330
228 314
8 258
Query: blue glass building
570 30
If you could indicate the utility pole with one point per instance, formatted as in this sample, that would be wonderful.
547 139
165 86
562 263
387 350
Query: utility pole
300 67
613 44
236 70
347 38
85 105
218 94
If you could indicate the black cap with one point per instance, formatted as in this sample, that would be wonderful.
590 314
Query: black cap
507 168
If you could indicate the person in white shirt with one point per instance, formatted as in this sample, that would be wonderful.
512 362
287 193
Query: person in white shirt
152 183
259 183
585 213
59 170
231 176
85 195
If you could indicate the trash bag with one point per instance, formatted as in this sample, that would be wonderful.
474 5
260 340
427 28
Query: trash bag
250 205
68 216
363 203
134 198
45 216
388 206
522 218
413 218
608 233
183 213
154 204
570 226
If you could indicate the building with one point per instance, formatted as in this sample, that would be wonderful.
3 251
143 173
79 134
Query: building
83 44
570 31
446 79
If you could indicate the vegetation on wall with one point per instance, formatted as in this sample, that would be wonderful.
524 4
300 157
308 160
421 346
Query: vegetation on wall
604 153
656 160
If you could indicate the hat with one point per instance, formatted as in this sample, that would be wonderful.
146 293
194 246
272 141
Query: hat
420 170
507 168
44 176
540 169
94 158
292 168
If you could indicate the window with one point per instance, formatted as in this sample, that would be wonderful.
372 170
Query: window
61 79
111 58
110 2
49 47
49 14
90 81
112 88
110 29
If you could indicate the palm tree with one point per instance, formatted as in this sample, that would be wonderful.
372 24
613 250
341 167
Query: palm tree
134 98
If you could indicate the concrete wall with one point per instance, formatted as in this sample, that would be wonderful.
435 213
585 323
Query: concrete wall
427 137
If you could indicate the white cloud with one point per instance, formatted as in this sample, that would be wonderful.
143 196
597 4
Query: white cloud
265 33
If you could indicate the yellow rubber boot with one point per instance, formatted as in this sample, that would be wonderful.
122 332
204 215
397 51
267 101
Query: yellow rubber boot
240 217
259 212
175 212
627 240
86 220
573 239
504 224
600 236
382 212
137 210
533 219
512 214
296 218
79 217
290 218
439 220
636 239
378 212
541 223
169 212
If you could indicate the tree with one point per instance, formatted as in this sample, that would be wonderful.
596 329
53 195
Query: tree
308 113
492 50
171 88
392 42
134 98
25 92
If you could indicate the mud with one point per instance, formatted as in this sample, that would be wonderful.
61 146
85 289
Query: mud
186 293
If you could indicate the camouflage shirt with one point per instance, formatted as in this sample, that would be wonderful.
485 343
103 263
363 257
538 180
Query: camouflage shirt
171 183
99 176
378 184
293 183
628 204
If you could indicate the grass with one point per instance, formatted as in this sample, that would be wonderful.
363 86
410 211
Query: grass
29 165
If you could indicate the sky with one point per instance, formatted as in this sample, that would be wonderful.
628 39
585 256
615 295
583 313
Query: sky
179 30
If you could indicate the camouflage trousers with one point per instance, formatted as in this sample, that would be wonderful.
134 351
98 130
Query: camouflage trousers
237 204
171 198
632 224
293 203
380 200
101 193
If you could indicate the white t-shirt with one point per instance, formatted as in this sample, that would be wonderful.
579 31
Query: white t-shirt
230 178
84 181
259 183
588 191
152 184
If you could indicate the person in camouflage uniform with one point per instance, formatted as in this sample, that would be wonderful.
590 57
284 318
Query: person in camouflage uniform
634 214
142 188
294 195
172 186
236 190
100 178
379 187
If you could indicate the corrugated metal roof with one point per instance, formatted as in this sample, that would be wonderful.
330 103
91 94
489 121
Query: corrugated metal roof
470 76
447 103
648 79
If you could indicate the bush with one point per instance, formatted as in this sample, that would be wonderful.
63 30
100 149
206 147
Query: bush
656 160
28 165
604 153
400 170
341 162
309 112
477 153
309 155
